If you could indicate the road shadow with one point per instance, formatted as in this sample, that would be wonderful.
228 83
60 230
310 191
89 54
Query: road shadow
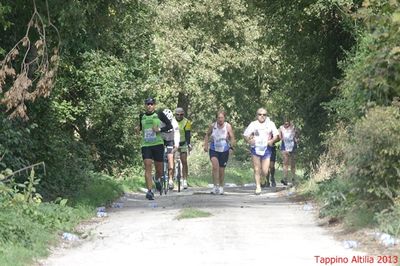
234 197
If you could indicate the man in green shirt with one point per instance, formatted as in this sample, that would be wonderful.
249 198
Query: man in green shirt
152 143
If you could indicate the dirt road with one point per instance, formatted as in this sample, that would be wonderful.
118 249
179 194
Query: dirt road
244 229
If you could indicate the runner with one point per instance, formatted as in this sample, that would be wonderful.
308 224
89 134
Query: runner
185 127
171 142
269 180
261 134
290 138
219 142
152 143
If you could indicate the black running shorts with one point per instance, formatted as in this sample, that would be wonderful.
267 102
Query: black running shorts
221 156
155 153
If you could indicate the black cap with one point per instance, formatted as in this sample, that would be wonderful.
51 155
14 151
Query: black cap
150 100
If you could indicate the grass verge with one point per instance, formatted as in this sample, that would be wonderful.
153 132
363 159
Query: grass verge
190 213
29 227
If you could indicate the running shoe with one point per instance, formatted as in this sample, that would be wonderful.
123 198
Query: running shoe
273 184
149 195
258 191
158 185
284 182
215 190
221 190
171 184
185 185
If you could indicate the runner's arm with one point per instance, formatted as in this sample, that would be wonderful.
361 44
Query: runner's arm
280 133
249 134
232 140
140 121
177 135
188 135
167 122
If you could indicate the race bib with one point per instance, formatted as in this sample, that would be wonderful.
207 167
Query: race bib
289 144
149 135
261 145
220 145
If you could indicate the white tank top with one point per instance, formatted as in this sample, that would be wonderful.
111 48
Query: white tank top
219 138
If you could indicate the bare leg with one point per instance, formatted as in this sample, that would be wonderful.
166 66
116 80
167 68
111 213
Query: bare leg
257 169
148 164
184 165
272 171
221 176
265 167
215 172
159 169
170 165
285 164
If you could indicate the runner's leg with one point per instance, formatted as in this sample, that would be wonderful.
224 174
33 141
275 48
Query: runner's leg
215 172
293 165
265 167
170 166
148 165
285 164
184 166
257 169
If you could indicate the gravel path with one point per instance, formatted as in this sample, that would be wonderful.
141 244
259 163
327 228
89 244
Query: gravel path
244 229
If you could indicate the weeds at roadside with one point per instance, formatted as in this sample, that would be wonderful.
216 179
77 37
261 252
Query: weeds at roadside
29 226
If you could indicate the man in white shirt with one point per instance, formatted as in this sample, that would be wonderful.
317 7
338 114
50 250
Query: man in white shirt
171 142
261 134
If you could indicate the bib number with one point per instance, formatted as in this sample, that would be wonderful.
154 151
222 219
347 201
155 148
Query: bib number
149 135
219 145
261 146
289 145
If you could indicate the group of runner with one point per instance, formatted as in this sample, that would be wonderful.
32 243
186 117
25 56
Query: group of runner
162 130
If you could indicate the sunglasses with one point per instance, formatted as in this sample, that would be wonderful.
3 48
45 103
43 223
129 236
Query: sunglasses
149 103
262 114
179 114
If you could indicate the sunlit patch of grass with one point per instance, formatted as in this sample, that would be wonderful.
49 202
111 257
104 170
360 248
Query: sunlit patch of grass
190 213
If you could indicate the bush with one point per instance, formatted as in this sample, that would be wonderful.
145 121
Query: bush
199 161
334 194
389 220
372 156
28 226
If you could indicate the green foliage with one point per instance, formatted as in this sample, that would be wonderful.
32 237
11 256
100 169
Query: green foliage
4 10
389 220
309 37
212 60
360 216
359 176
372 156
14 143
371 72
105 116
28 226
323 63
335 197
100 190
67 159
